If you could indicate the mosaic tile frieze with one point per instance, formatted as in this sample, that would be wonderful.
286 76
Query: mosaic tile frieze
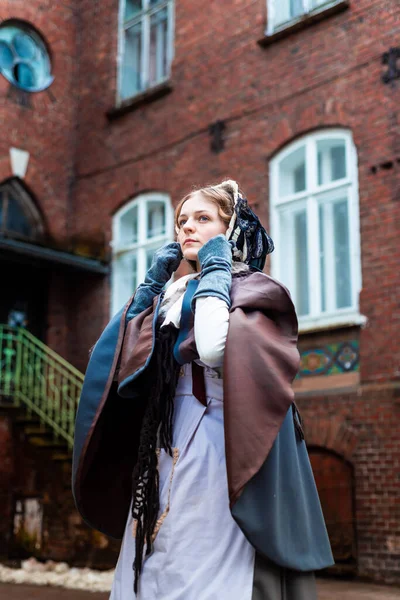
332 359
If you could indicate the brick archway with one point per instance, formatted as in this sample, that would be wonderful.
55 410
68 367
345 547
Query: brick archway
331 114
334 477
332 434
35 183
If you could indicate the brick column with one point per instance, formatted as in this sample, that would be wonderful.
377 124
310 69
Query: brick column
6 475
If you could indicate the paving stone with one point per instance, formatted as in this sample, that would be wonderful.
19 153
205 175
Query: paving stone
327 590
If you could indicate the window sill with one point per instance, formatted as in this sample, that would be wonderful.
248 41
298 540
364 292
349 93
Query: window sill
304 21
332 322
146 97
343 382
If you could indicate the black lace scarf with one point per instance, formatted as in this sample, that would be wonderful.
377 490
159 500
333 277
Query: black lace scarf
156 429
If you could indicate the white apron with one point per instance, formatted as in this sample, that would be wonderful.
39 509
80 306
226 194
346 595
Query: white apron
199 551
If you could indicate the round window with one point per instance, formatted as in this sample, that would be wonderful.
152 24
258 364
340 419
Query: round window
24 60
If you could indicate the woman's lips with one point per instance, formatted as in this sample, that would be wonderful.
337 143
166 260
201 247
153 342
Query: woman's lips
189 242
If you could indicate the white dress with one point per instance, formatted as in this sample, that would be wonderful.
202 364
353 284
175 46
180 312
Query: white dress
199 553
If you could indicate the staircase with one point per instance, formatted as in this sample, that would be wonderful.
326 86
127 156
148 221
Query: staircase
41 388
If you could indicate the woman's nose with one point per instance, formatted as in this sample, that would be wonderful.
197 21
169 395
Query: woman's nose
189 225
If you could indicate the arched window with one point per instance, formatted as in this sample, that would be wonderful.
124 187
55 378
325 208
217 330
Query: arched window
139 229
315 226
19 217
24 59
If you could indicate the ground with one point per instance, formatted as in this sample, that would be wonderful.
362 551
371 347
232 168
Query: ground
328 590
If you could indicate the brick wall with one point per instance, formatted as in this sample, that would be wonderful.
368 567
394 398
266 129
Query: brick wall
29 471
44 124
268 97
6 473
84 167
327 75
359 427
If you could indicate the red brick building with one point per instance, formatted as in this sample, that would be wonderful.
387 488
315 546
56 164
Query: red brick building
135 103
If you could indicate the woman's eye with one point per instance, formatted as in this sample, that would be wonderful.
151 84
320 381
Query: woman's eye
203 217
182 222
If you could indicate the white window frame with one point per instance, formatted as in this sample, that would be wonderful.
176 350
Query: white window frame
143 242
144 16
308 10
310 198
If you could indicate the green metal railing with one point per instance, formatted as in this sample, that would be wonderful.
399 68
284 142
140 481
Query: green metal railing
33 375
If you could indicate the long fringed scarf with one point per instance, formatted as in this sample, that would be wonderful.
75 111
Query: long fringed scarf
156 429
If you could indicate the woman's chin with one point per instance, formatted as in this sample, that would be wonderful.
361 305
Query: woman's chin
190 253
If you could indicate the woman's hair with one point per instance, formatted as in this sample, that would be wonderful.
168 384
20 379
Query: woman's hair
223 195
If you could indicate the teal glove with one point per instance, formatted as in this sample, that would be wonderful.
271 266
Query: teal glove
165 261
215 259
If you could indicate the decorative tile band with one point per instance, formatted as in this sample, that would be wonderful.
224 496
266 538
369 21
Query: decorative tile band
332 359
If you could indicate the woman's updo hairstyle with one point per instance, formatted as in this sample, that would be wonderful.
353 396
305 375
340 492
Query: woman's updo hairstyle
224 195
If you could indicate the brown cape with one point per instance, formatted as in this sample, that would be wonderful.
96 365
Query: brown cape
260 362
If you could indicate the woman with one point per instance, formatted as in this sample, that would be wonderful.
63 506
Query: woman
187 439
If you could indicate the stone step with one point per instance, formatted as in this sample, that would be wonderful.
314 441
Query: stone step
4 404
62 456
25 420
40 442
41 431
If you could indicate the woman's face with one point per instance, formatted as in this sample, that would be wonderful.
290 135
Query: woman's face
198 222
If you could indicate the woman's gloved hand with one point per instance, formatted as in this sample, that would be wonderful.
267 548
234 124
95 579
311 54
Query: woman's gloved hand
215 259
165 262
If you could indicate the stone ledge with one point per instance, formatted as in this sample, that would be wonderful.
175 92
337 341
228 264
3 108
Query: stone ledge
303 22
145 97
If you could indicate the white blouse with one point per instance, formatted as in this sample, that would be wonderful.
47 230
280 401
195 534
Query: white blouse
211 320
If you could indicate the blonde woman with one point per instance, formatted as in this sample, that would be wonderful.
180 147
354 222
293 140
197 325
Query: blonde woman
188 443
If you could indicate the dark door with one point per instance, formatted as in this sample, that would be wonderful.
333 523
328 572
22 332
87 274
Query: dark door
23 295
335 483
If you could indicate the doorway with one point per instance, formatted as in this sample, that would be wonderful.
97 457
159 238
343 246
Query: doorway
23 297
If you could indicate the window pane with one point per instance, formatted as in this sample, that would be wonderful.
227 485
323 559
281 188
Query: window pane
155 219
342 254
331 160
285 10
293 257
131 80
129 228
125 278
24 46
132 8
149 257
334 255
16 219
315 3
24 75
158 45
292 173
322 244
6 56
301 263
